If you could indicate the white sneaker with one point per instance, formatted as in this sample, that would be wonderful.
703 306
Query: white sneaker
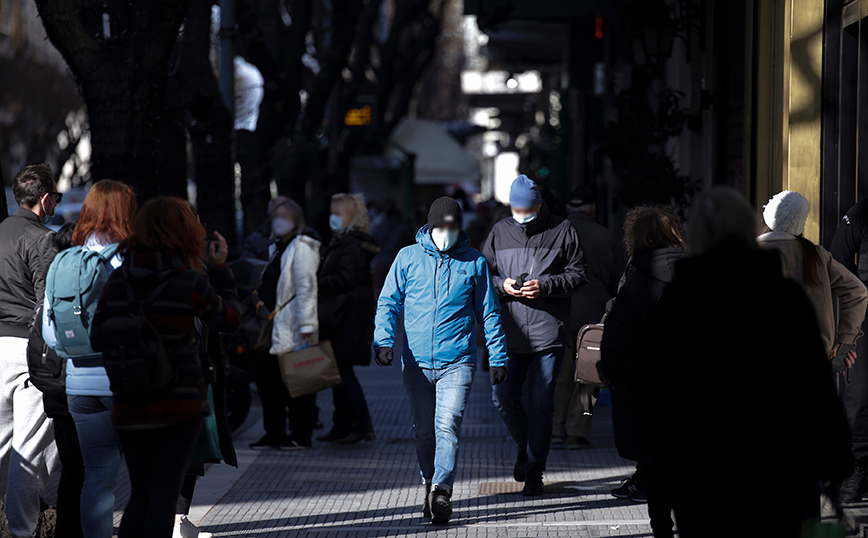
186 529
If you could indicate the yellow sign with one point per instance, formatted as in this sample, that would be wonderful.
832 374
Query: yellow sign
357 117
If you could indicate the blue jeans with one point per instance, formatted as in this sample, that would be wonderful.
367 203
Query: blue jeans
438 398
531 428
101 451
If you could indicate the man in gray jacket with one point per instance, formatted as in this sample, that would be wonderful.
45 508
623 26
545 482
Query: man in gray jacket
536 262
27 451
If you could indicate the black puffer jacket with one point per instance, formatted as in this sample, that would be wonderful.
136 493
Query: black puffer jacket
625 341
346 296
26 251
547 249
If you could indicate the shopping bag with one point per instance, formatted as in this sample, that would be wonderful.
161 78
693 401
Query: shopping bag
208 445
309 370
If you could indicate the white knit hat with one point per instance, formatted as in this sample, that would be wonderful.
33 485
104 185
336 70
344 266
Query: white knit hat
787 212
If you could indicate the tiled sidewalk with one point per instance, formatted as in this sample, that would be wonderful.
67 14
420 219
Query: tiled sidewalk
374 490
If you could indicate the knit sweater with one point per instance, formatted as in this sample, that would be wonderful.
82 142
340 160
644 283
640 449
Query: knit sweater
188 294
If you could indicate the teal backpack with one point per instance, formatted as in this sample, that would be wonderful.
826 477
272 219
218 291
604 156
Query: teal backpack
73 287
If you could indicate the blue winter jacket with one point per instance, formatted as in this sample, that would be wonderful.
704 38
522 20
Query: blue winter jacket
442 294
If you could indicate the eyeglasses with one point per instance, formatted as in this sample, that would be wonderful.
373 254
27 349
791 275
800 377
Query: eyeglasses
58 196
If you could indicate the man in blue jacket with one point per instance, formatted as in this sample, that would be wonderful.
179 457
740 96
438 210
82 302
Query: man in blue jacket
537 263
443 287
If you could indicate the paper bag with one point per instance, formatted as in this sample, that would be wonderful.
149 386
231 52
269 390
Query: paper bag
309 370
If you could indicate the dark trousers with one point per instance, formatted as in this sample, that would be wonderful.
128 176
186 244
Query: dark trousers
531 381
71 479
351 409
650 475
158 460
278 406
853 390
185 499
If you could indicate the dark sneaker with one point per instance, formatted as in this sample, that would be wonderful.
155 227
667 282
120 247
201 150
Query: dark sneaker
441 506
855 486
330 437
426 504
354 438
638 495
533 487
575 442
559 440
266 442
518 471
623 491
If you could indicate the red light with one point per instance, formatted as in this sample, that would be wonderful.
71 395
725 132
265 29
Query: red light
598 27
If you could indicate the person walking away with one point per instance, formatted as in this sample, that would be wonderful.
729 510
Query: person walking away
604 259
536 262
27 450
105 220
443 287
655 243
730 315
850 248
346 313
45 364
164 280
289 289
819 273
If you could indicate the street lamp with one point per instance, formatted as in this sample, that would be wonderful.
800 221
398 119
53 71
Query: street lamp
655 41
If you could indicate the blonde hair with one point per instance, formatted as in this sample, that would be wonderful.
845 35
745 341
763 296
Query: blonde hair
356 202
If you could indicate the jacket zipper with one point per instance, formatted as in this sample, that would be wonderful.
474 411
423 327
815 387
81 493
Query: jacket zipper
436 305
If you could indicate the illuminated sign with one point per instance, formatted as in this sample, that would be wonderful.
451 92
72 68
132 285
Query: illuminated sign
359 116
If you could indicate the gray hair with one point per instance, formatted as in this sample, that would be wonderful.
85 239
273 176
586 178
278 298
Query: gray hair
718 215
360 220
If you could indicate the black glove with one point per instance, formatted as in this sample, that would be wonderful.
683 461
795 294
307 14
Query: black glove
384 356
838 363
498 374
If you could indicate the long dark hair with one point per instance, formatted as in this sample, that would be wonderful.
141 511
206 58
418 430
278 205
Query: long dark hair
810 258
648 228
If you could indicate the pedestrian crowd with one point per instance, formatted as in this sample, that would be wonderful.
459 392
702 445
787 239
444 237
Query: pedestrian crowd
730 350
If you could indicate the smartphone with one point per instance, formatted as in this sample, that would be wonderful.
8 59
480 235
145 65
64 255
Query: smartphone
519 281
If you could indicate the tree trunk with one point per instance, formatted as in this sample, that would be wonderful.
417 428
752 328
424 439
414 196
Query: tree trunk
210 126
122 76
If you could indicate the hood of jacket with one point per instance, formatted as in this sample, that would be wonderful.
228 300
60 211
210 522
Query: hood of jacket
423 238
368 244
660 263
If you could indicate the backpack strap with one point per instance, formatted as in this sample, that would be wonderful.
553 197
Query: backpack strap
108 252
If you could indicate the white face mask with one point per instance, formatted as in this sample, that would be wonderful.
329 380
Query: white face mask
523 219
444 238
336 223
281 227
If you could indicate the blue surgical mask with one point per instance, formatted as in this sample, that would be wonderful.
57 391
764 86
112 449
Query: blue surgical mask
444 238
282 227
46 219
336 223
524 219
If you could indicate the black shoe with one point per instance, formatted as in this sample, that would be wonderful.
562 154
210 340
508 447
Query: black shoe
575 442
354 438
426 504
330 437
628 486
266 443
638 495
855 486
533 487
518 471
441 506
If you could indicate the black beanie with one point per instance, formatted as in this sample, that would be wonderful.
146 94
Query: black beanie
444 210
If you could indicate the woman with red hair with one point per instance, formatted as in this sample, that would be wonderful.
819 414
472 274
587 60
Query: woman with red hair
105 220
167 271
